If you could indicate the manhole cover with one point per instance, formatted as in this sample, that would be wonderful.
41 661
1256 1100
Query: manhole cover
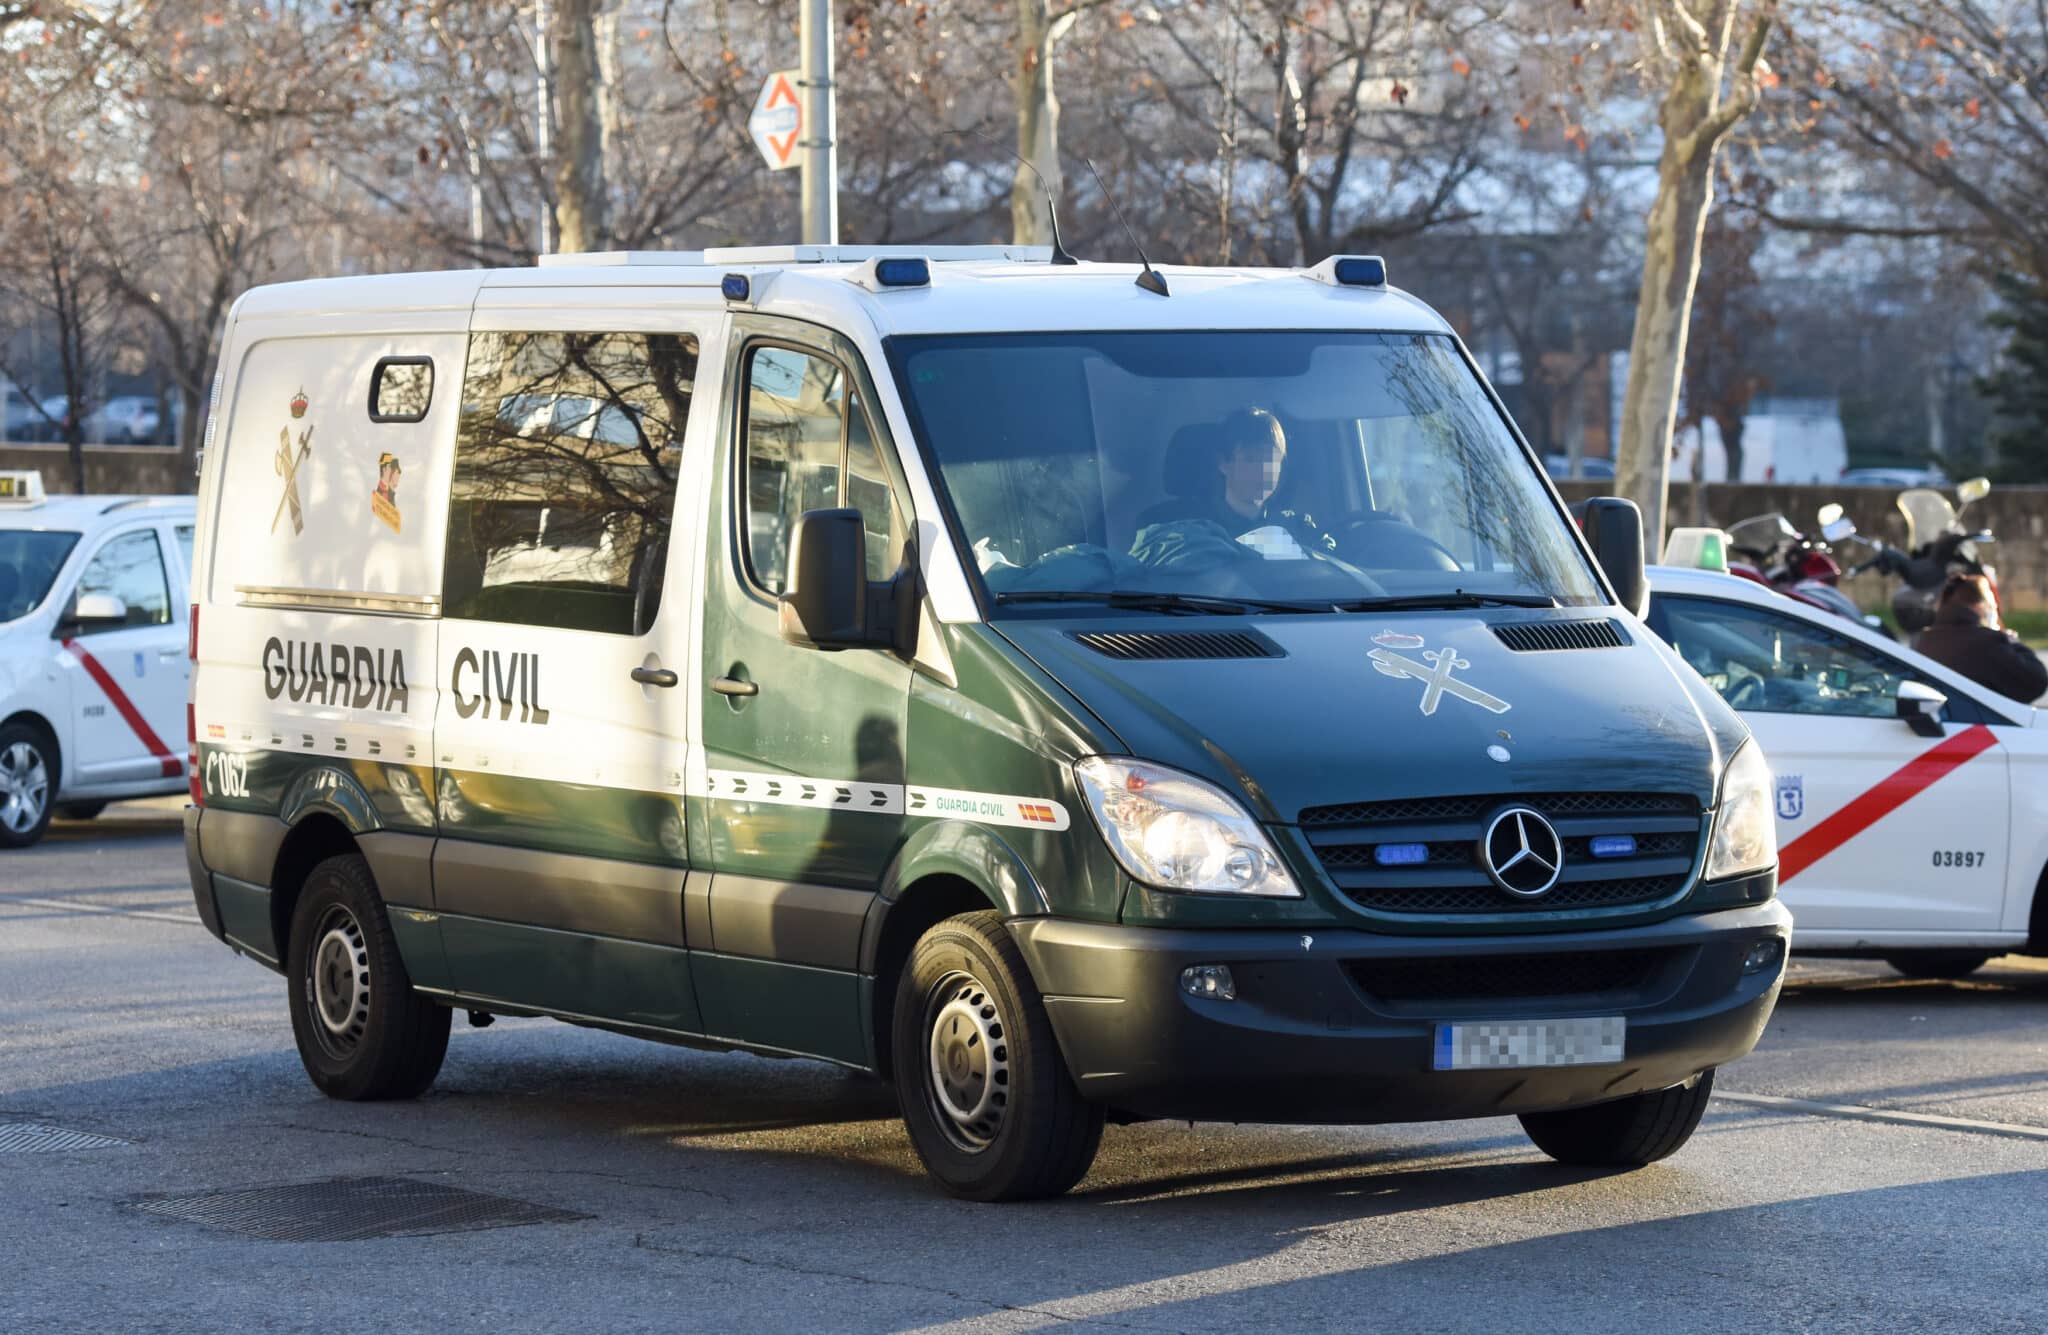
29 1138
350 1209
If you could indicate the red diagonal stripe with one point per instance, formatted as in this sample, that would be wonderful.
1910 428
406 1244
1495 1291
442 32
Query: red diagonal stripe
1888 795
126 707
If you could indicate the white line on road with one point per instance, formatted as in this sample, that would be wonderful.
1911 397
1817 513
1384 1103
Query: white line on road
1856 1112
190 919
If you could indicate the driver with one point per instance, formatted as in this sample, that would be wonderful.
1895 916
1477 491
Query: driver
1252 452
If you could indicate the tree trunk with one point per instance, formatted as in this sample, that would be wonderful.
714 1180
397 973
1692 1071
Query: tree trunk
1694 122
580 201
1038 122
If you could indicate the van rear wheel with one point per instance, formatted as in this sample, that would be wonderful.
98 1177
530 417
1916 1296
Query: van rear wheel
990 1106
363 1033
1625 1133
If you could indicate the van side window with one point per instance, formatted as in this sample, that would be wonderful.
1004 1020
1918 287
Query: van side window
810 446
565 478
131 568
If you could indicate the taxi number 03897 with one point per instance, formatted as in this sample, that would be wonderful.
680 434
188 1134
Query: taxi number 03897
1956 857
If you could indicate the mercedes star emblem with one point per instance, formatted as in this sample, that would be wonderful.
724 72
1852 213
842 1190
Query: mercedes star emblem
1521 852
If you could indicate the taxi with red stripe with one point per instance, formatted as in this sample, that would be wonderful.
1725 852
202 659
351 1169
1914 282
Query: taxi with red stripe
93 652
1911 802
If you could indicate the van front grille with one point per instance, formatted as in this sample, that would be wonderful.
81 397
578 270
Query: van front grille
1437 869
1499 977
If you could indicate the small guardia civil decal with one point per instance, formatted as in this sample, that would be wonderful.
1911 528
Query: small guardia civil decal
288 465
1435 676
1791 796
384 500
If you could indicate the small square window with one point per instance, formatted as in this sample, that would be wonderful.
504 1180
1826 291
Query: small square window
401 388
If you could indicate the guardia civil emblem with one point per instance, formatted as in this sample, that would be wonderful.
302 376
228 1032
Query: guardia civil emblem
288 464
1434 672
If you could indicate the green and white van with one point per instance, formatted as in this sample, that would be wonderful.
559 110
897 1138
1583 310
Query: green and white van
1068 701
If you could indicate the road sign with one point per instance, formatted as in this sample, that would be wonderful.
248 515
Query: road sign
778 120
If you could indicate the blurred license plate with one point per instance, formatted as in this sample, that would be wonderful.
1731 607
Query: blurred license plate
1497 1044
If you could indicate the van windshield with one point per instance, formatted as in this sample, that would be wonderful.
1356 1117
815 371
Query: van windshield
29 562
1320 468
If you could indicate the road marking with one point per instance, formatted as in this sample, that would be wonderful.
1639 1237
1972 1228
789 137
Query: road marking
190 919
1858 1113
1886 796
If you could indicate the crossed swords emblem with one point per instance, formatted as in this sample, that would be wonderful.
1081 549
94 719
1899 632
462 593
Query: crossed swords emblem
1436 678
288 468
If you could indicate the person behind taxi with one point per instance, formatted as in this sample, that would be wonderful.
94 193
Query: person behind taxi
1968 637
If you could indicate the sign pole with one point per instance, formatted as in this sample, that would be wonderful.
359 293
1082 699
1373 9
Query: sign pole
820 148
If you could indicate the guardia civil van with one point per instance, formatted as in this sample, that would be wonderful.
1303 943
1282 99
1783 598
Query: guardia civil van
1070 697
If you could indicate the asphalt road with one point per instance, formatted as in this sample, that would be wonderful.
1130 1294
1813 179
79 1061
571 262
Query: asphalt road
1903 1185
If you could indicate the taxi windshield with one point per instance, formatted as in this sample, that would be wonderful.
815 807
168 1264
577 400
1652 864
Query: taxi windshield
29 562
1316 470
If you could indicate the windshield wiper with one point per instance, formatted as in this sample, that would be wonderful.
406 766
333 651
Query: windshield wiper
1423 602
1189 604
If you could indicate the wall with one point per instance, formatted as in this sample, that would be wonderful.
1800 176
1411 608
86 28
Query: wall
2017 515
146 470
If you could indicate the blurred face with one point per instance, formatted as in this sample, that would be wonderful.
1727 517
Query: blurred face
1250 475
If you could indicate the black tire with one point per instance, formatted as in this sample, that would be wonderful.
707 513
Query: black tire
1626 1133
81 810
1033 1135
1939 963
26 804
363 1033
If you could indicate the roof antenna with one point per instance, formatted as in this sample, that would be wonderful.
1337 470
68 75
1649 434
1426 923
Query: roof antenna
1151 279
1059 247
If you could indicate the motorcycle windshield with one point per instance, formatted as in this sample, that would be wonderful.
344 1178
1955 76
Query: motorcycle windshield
1761 534
1928 516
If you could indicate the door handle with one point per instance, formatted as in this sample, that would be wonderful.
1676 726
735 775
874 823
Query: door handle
734 686
648 676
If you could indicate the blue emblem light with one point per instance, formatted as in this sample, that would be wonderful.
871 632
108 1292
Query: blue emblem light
1614 846
1362 271
1400 855
735 286
902 273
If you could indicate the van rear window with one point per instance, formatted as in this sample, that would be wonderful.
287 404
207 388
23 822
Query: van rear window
565 478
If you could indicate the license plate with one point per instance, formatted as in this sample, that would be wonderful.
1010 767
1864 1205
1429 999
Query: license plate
1499 1044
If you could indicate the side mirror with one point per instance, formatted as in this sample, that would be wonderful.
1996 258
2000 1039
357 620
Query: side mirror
1920 706
1614 530
1973 489
1838 530
826 606
98 609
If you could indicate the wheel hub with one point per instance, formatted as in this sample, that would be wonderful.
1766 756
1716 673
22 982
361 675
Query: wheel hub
24 787
968 1073
338 981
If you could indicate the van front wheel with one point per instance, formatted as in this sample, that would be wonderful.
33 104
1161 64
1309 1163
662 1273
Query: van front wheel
363 1033
1624 1133
986 1096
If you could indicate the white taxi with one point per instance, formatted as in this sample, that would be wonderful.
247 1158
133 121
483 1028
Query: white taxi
93 661
1912 803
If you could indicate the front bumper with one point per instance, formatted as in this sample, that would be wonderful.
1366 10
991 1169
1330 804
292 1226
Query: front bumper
1316 1035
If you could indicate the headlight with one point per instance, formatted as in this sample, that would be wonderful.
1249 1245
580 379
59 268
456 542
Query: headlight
1745 831
1174 831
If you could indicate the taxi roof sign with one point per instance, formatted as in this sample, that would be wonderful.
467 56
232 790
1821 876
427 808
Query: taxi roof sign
21 487
1699 548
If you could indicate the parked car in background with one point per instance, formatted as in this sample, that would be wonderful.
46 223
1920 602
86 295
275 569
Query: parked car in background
1911 804
1559 466
49 421
1894 477
127 419
17 411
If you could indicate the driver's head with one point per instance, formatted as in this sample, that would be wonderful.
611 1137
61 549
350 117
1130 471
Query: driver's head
1967 600
1254 448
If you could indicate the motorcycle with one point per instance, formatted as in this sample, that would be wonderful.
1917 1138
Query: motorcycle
1937 546
1768 550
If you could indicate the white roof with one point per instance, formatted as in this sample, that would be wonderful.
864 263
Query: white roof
972 290
86 513
1734 588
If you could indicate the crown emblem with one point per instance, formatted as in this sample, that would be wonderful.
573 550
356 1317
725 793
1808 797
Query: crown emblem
299 404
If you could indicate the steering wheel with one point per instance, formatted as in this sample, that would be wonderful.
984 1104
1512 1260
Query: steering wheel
1382 528
1745 692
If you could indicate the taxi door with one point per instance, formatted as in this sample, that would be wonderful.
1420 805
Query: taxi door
126 677
1880 829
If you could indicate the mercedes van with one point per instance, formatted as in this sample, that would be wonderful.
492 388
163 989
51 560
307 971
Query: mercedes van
1072 698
